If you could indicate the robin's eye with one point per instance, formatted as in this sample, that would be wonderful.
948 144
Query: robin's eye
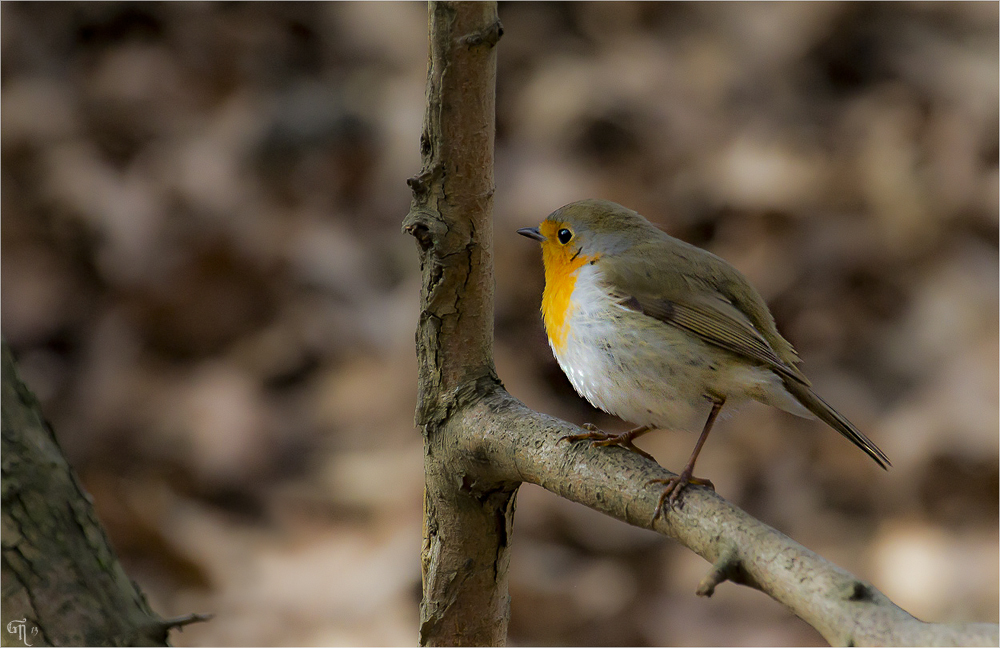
564 235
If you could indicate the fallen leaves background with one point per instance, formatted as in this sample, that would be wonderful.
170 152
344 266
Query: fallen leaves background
206 285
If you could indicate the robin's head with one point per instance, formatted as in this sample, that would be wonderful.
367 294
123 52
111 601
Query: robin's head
588 229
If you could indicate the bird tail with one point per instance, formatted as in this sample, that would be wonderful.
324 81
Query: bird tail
834 419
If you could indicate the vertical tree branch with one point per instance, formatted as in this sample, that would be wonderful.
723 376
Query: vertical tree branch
466 522
452 209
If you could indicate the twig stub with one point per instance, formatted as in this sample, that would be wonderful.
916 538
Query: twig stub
489 36
727 567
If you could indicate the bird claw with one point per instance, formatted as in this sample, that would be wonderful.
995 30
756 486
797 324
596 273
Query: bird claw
593 434
670 498
604 439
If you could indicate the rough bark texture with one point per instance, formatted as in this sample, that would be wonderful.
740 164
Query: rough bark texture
60 574
480 443
466 520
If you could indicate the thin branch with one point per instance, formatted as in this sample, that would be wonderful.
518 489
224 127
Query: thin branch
520 444
186 619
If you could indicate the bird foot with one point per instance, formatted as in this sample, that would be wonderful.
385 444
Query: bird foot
600 438
671 496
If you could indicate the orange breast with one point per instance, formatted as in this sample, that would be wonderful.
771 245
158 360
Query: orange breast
560 280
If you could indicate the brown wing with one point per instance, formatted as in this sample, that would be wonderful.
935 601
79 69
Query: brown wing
716 321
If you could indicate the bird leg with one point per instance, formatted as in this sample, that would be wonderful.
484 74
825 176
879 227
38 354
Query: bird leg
675 485
624 440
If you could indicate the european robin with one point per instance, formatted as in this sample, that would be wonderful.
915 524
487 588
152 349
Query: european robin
662 334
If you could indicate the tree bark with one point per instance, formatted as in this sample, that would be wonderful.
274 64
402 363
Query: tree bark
466 520
517 443
480 443
62 583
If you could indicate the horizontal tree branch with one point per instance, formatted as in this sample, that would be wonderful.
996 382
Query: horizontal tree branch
511 443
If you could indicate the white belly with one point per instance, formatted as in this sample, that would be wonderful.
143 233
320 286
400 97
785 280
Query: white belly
663 377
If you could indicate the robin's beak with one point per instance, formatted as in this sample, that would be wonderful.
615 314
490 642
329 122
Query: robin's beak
532 233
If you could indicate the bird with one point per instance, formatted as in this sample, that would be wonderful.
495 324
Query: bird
663 334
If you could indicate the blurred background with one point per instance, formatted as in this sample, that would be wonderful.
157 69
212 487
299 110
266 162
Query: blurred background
205 283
